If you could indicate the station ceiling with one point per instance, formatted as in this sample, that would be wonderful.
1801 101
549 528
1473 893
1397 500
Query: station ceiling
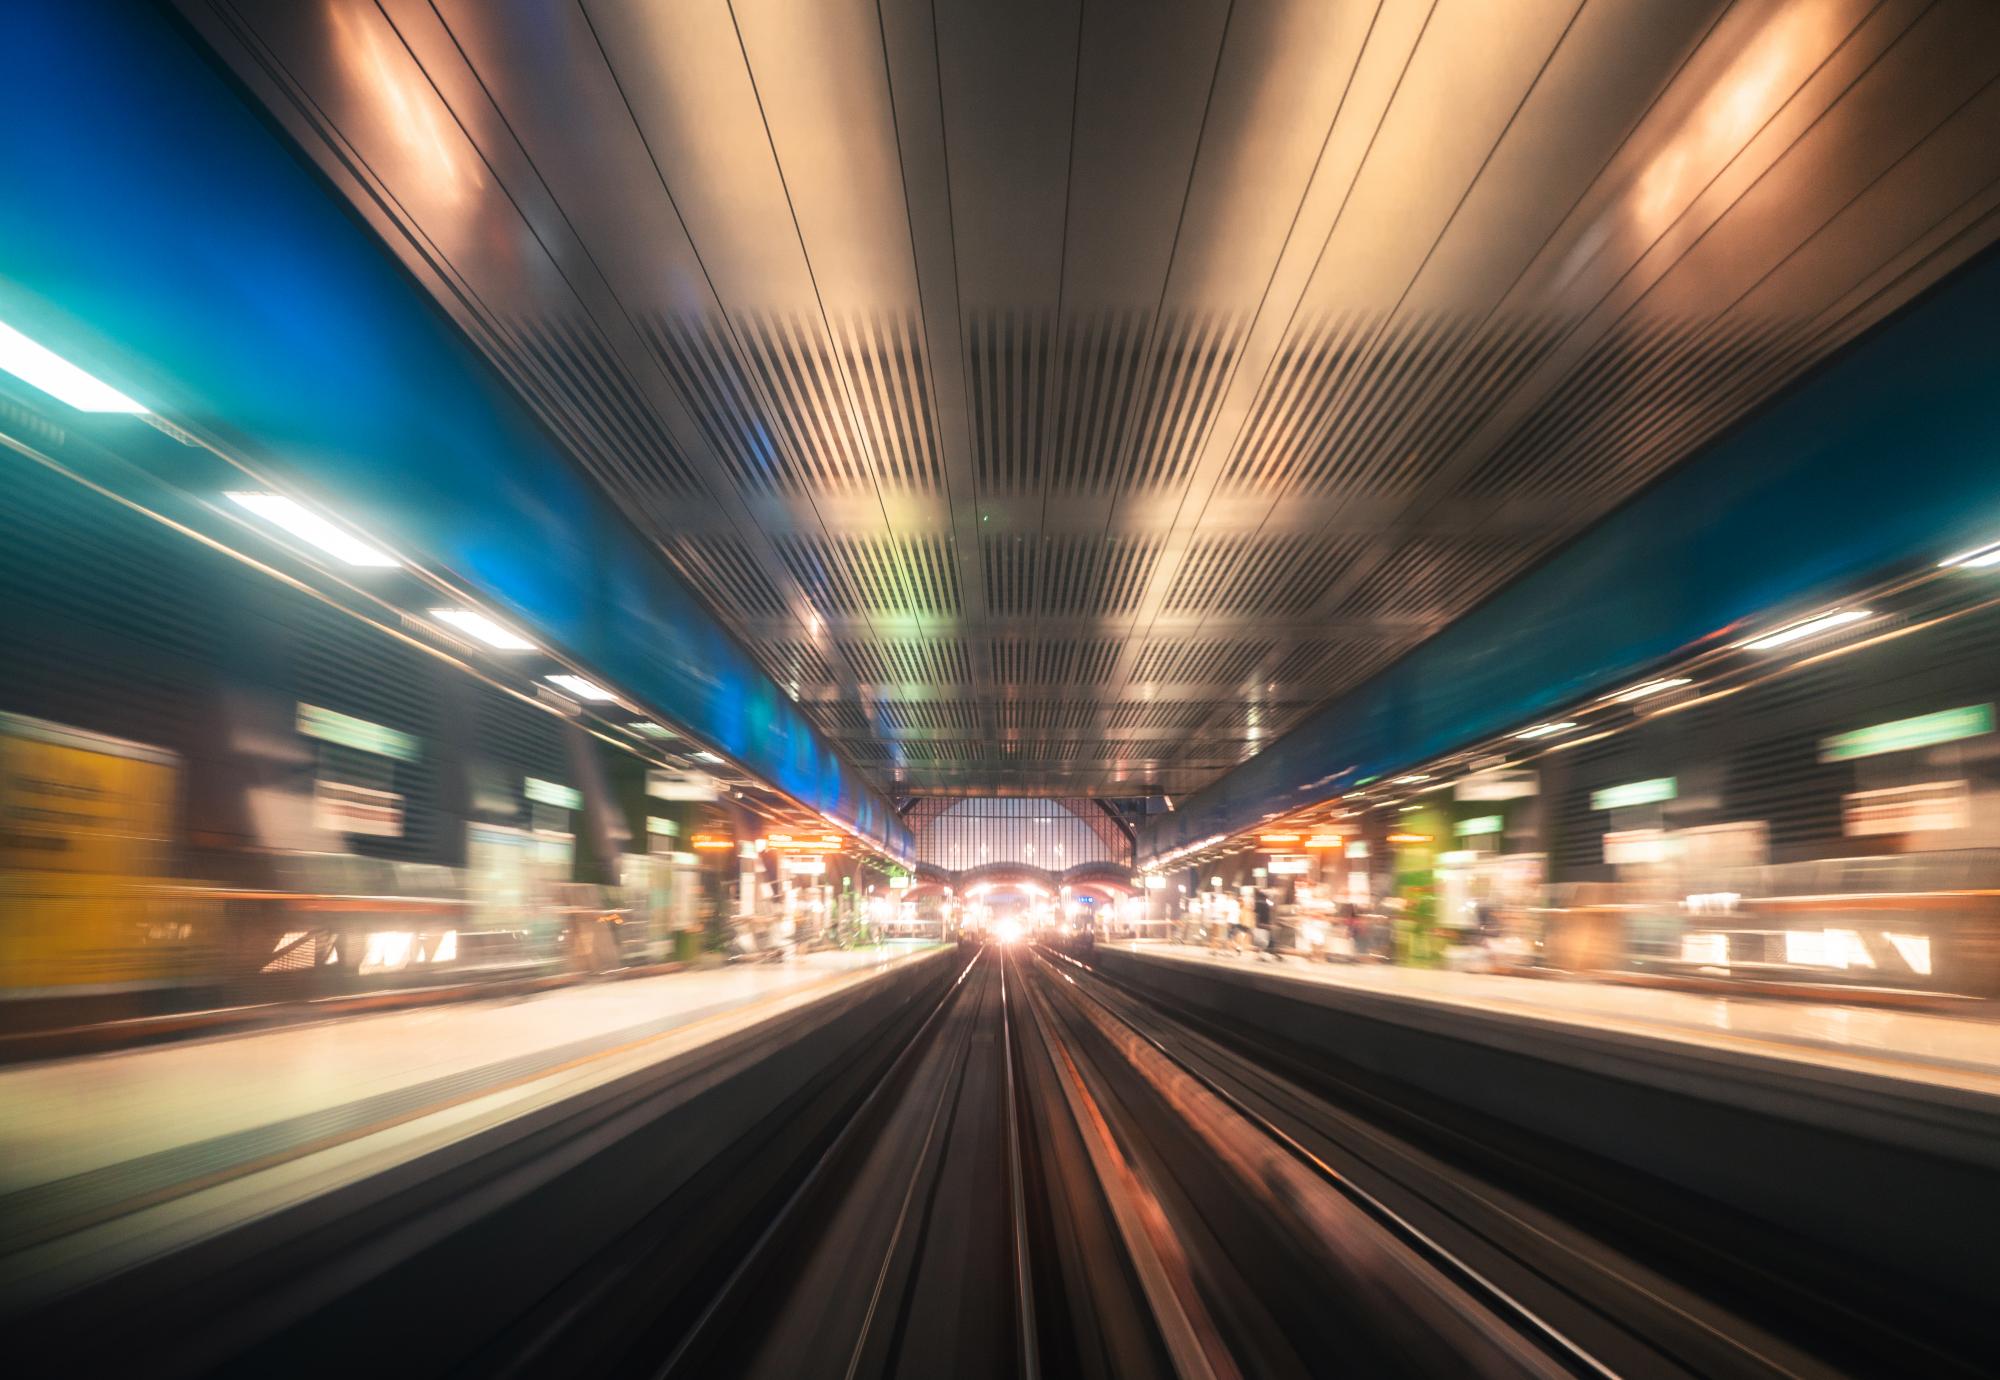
1065 399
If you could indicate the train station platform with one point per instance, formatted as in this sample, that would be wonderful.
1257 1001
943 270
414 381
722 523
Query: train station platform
109 1160
1864 1132
1950 1051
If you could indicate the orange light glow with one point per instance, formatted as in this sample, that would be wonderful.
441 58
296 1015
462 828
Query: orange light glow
711 843
1409 838
1323 841
1278 838
785 843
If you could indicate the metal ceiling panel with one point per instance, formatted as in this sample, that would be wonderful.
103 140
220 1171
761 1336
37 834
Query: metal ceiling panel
1001 355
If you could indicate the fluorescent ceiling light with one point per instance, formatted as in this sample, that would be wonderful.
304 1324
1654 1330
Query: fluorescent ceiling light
484 628
1416 778
584 689
706 757
651 730
45 369
1544 730
1640 691
1806 628
311 528
1978 558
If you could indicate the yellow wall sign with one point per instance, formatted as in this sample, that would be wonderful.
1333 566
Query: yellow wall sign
84 825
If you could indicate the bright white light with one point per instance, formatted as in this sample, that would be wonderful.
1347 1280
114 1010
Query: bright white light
1915 950
43 368
583 689
1710 950
708 757
1847 949
1807 948
1639 692
388 951
1412 780
313 529
1792 632
1544 730
447 948
1008 931
1978 558
484 628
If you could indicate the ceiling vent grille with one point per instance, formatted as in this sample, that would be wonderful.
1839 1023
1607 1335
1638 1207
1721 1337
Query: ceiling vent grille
1434 577
840 716
584 393
722 567
1076 662
1165 714
1101 362
1096 404
1259 577
1220 752
1067 661
1008 358
943 751
931 714
1192 361
853 577
771 396
1644 396
908 663
1021 715
792 365
1035 752
1359 404
1201 663
1139 750
1066 576
869 750
701 362
1328 666
892 388
796 663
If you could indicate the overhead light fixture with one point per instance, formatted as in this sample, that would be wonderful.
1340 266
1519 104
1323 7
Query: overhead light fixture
309 527
1978 558
708 757
1414 779
647 728
581 688
41 367
1645 688
1793 632
1544 730
485 629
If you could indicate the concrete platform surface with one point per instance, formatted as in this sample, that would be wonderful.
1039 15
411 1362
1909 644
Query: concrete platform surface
1949 1051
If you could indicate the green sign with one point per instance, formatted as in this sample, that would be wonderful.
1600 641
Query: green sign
1635 793
549 793
1925 730
1480 824
657 825
331 726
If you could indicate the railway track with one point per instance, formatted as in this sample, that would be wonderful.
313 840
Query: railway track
1058 1178
1014 1167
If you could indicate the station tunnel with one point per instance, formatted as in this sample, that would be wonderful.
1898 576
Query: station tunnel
1077 687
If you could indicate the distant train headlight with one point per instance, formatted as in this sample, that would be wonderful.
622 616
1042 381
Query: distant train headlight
1008 931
